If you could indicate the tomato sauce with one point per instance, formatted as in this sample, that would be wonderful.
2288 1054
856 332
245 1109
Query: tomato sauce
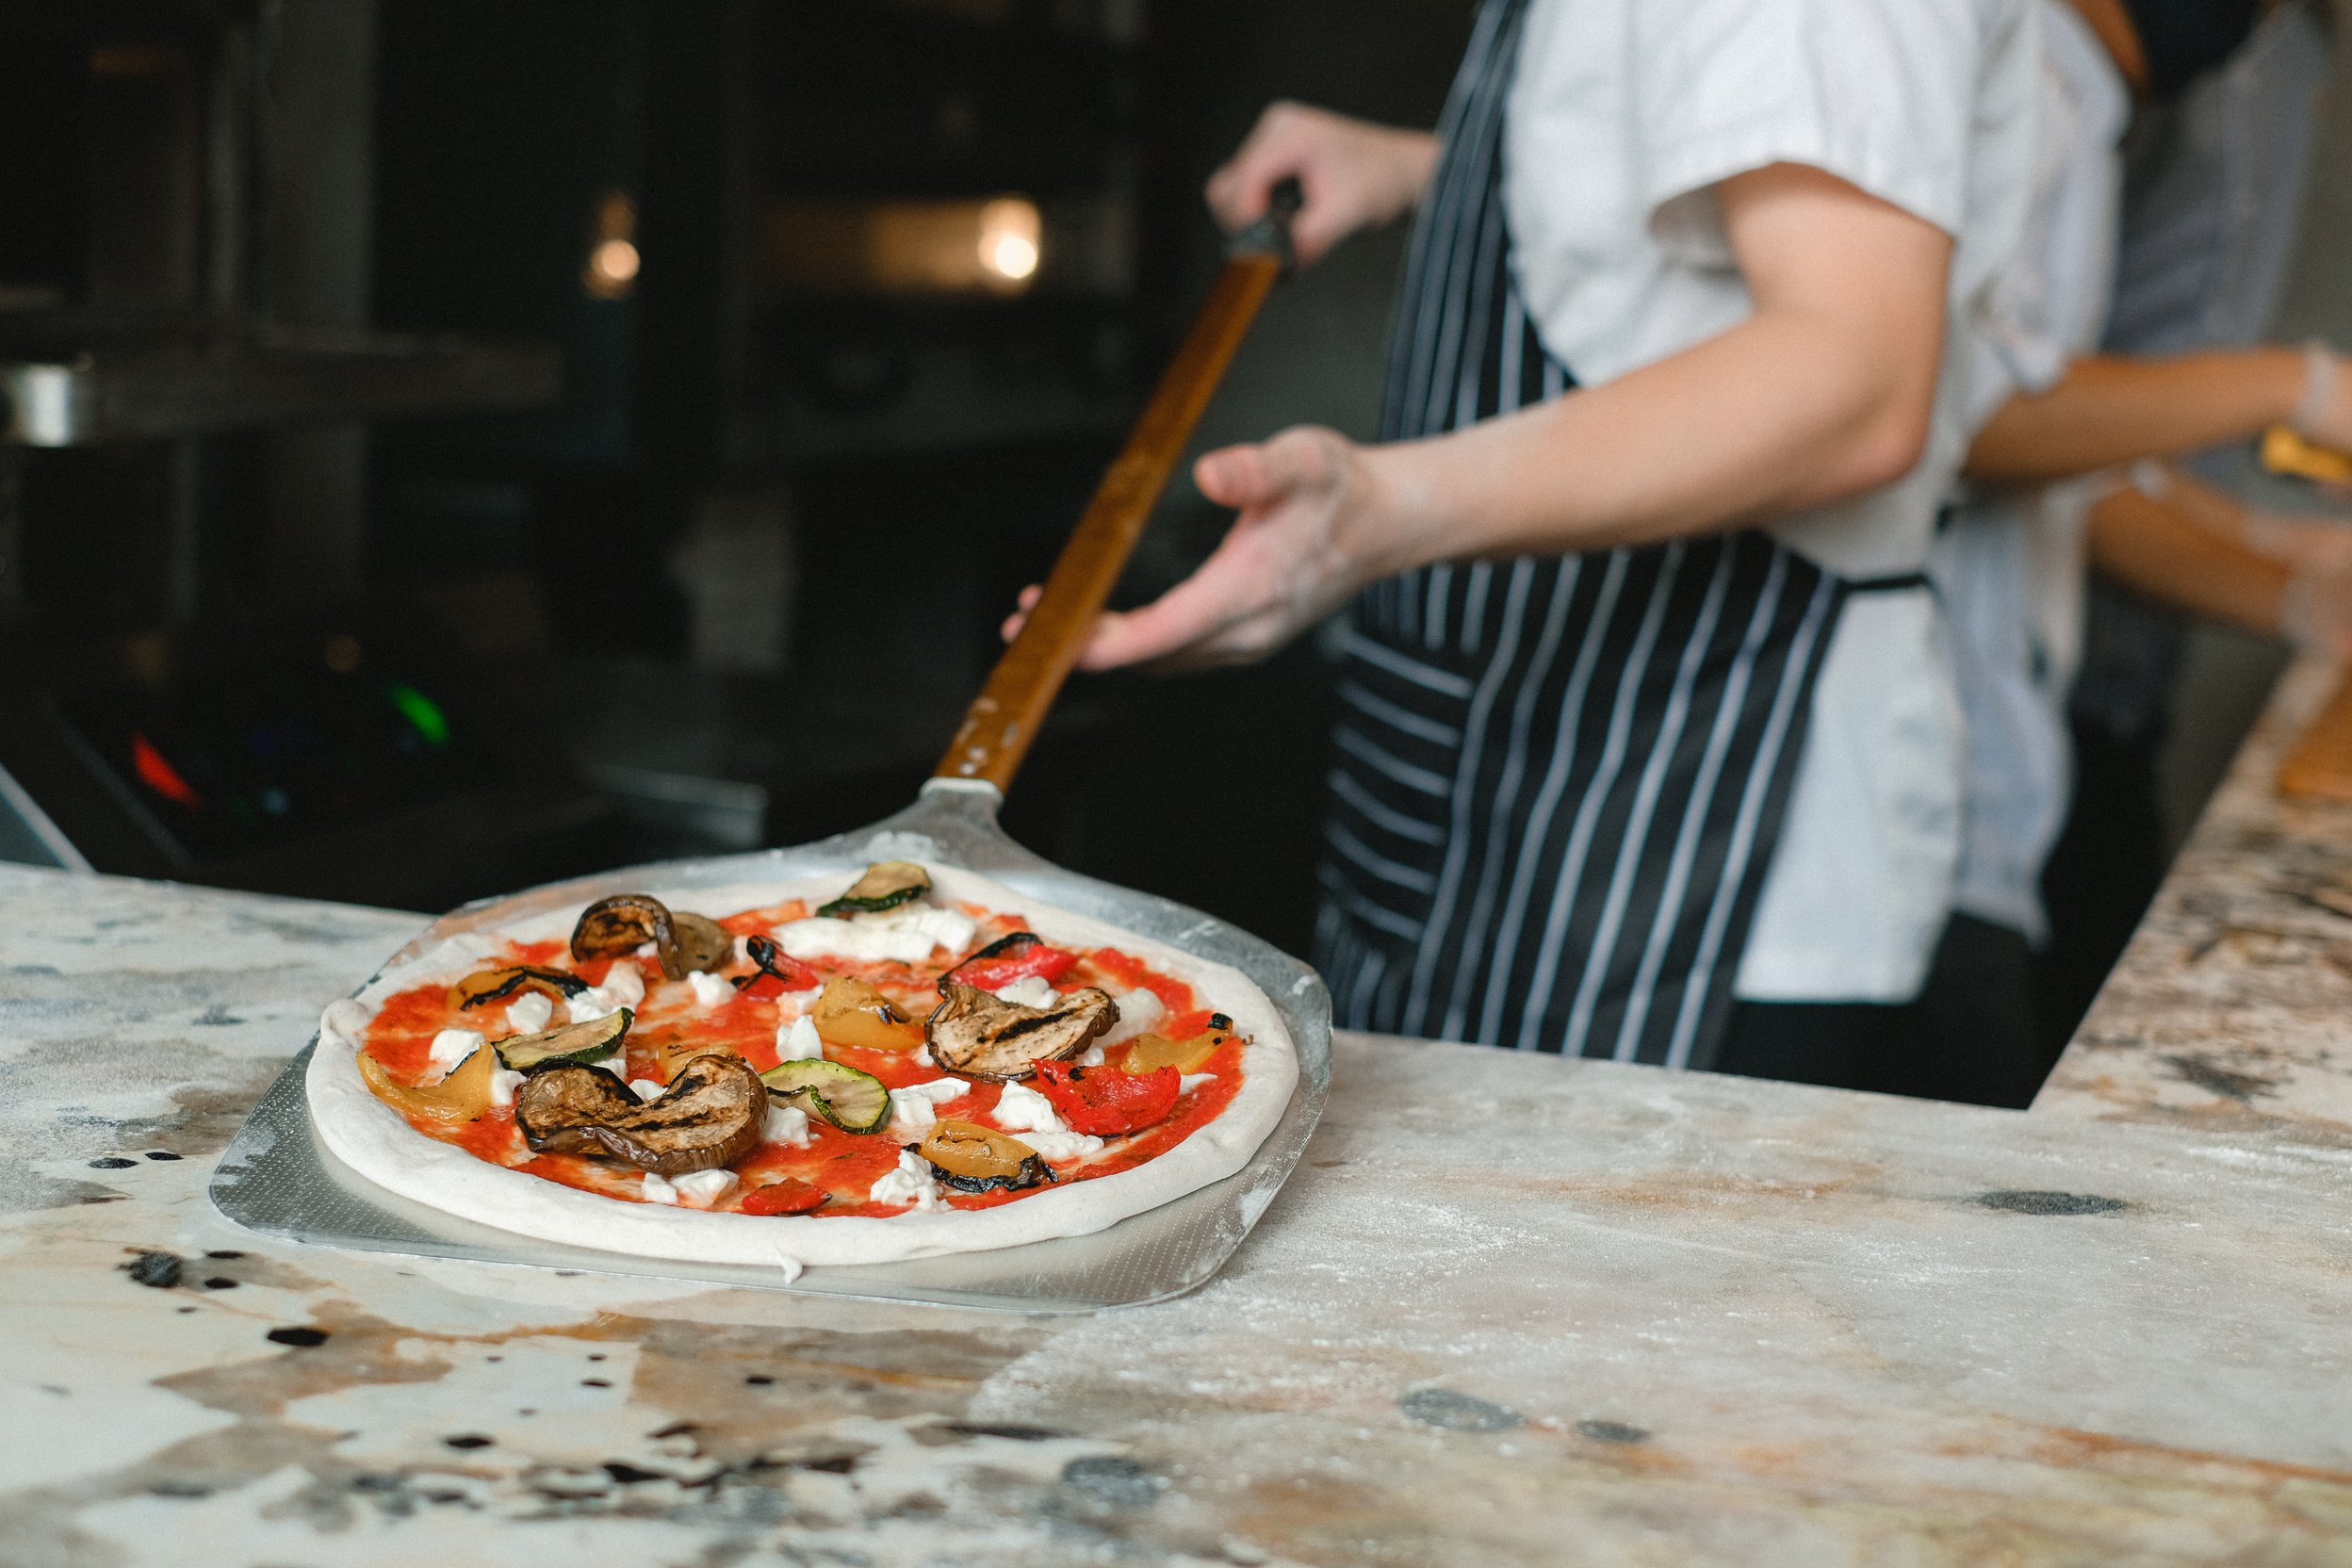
671 1028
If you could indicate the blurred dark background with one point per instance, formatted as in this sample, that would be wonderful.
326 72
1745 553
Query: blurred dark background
455 445
446 446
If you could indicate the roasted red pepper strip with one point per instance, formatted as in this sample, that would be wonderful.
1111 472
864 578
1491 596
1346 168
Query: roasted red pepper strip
777 974
1014 957
1105 1102
788 1195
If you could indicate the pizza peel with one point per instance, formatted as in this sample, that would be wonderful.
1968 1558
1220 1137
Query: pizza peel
278 1179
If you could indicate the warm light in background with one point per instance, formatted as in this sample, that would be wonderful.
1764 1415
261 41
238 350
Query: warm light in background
612 260
1009 232
995 245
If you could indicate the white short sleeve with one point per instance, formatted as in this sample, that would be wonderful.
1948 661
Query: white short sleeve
1878 93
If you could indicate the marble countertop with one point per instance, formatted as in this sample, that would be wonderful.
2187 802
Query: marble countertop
1509 1310
2231 1009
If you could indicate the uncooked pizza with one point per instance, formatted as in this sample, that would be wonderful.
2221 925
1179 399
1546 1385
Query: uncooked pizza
914 1062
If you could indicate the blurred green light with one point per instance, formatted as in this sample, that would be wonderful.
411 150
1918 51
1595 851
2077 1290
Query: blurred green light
421 711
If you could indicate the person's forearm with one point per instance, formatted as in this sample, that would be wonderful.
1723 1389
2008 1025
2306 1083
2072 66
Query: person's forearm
2156 550
2111 410
1770 418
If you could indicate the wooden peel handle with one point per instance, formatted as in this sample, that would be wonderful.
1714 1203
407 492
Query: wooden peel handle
1006 715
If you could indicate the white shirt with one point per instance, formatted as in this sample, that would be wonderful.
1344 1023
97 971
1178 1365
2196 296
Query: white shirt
2009 565
1623 116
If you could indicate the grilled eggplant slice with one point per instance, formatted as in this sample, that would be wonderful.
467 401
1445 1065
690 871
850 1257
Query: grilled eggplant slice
503 985
886 885
972 1158
586 1043
711 1116
981 1037
703 943
684 942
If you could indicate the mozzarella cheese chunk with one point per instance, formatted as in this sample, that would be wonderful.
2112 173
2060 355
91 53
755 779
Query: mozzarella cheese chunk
909 1182
787 1124
797 1041
1139 1013
1030 990
450 1047
1056 1147
709 989
916 1107
703 1189
1022 1109
906 934
624 987
530 1013
646 1088
503 1083
657 1190
1192 1081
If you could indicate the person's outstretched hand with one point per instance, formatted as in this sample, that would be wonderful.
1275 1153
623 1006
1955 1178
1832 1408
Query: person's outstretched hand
1352 173
1316 525
2329 422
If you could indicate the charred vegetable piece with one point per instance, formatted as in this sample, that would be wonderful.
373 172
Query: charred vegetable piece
980 1037
1149 1052
503 985
885 886
703 943
788 1195
622 924
841 1096
972 1158
462 1096
1107 1101
711 1116
774 973
850 1012
575 1042
1010 958
684 942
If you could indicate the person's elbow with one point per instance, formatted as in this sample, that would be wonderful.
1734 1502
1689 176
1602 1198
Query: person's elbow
1891 440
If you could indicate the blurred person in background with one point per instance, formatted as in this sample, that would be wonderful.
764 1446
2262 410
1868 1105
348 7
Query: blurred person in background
2067 470
2215 170
1648 749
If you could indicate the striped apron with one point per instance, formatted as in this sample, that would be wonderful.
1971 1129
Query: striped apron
1557 780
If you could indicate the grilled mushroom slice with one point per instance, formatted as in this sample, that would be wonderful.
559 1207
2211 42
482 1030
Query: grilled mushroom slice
886 885
980 1037
685 943
711 1116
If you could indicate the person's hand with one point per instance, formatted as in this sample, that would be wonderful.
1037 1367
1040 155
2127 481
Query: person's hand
2315 613
2325 416
1352 173
1316 523
2318 545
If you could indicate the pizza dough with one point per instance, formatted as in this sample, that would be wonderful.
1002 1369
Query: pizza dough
376 1141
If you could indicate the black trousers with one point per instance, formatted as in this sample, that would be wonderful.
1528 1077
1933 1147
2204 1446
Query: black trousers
1970 1035
2106 867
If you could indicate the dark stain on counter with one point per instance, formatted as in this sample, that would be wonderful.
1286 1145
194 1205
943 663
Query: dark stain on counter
2048 1202
1456 1413
2214 1078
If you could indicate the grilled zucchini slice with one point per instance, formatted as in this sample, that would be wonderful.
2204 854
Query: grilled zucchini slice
886 885
845 1097
583 1043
